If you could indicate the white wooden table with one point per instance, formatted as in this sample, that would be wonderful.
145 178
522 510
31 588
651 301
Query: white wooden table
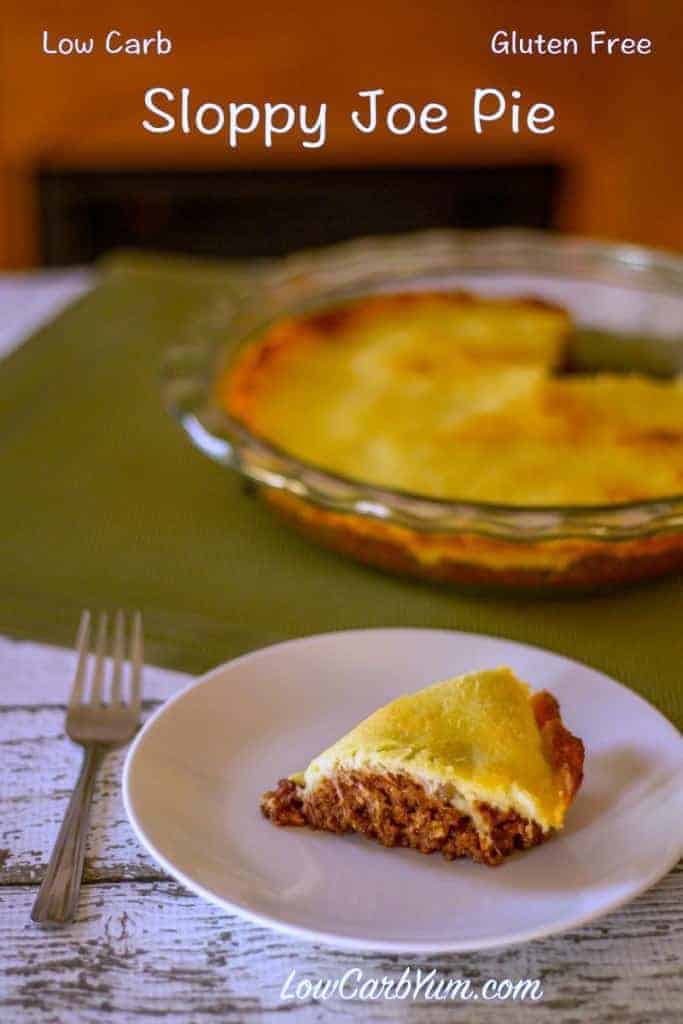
142 948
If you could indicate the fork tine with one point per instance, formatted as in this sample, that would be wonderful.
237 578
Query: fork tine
136 657
98 674
82 637
118 658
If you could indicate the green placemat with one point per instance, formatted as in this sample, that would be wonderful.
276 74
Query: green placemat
105 503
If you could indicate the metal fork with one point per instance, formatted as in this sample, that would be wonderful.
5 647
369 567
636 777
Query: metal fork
97 726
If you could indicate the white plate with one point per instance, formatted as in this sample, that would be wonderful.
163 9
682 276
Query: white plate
194 776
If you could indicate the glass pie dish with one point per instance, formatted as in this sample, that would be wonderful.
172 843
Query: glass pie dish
627 304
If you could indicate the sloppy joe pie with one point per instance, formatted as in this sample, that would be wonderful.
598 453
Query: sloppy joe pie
462 410
476 766
453 397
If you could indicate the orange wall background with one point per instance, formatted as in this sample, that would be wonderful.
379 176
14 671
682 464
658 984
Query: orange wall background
618 117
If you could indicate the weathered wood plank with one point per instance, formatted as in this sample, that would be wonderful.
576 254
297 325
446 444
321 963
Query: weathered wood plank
142 950
39 769
40 766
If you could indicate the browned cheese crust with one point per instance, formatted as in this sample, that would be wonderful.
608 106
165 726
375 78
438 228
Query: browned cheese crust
238 389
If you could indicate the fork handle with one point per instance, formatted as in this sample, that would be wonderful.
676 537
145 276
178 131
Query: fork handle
57 897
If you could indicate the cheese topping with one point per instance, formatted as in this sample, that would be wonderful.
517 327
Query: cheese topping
473 739
451 397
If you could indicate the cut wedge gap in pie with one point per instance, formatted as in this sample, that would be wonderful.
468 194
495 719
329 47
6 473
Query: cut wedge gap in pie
477 766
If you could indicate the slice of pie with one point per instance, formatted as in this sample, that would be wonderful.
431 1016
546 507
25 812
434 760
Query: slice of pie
476 766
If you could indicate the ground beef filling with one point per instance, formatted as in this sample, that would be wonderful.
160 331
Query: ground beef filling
397 811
